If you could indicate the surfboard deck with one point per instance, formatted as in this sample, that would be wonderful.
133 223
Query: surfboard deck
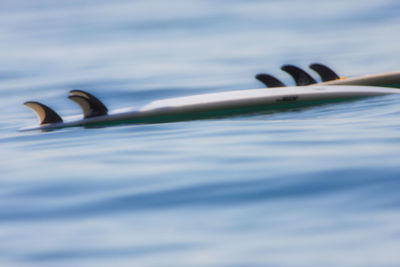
223 104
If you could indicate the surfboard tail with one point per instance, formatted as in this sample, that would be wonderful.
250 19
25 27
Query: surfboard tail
45 114
90 105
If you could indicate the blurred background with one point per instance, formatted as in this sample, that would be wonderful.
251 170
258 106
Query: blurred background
307 187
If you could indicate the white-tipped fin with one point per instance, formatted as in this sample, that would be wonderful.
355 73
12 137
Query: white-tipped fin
45 114
90 105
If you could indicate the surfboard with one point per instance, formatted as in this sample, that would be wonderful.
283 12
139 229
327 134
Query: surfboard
391 79
329 77
95 113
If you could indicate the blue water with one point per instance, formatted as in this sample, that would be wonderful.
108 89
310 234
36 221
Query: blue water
316 186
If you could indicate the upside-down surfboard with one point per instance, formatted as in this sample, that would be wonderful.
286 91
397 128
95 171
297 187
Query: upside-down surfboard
391 79
329 77
95 112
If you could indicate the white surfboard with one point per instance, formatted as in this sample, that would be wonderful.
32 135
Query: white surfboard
391 79
205 105
329 77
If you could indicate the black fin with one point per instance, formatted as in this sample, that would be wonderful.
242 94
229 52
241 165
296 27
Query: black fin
91 106
44 113
300 76
324 72
269 81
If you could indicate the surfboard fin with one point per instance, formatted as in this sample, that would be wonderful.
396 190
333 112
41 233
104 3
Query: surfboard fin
45 114
269 81
90 105
300 76
324 72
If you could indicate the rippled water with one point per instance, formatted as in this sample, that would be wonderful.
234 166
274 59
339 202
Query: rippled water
313 186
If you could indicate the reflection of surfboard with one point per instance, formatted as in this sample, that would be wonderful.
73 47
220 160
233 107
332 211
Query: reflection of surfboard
201 106
329 77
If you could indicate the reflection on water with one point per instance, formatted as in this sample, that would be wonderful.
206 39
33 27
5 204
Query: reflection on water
313 186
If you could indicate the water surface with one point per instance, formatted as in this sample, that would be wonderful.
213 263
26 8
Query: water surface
306 187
